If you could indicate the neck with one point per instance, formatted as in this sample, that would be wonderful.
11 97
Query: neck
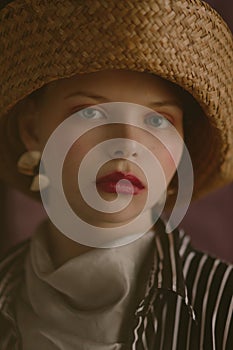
62 248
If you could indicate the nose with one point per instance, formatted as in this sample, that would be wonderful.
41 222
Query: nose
123 148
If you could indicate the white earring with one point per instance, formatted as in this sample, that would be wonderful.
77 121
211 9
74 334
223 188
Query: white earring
28 164
39 182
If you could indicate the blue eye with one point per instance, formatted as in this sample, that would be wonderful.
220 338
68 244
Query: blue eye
157 121
91 113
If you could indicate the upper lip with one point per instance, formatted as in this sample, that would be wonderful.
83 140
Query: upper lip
117 176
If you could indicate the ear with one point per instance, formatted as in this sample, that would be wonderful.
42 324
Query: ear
27 119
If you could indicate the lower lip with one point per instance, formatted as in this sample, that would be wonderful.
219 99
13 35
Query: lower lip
113 187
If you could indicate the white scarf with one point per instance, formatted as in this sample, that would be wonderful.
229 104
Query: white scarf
88 302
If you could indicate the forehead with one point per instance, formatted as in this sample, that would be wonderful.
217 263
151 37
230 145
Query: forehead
117 85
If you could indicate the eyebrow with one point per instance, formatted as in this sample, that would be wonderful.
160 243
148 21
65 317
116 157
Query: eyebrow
103 98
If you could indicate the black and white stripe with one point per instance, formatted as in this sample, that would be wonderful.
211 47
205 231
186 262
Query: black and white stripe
207 290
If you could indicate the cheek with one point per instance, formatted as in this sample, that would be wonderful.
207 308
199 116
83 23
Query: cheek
70 171
73 159
45 131
78 154
49 121
166 159
168 166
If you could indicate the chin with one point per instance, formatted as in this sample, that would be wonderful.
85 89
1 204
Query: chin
109 220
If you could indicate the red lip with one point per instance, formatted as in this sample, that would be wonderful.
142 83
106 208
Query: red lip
108 183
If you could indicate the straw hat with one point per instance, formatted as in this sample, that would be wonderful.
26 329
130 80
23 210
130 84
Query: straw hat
184 41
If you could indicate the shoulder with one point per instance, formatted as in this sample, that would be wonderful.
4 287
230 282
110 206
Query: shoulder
204 271
11 276
11 266
13 254
209 282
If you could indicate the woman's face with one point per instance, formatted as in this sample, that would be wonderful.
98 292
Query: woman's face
143 133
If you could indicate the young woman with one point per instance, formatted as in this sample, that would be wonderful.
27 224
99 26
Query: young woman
98 100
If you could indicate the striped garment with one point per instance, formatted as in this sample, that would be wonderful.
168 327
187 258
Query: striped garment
188 302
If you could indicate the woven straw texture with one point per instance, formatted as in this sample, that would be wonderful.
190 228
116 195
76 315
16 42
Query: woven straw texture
184 41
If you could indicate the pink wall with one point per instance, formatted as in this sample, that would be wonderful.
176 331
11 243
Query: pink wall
209 222
22 217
